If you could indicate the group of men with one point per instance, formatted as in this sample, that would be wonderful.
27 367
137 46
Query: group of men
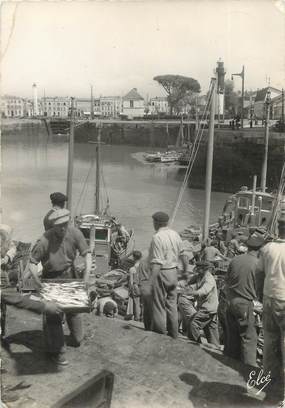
258 273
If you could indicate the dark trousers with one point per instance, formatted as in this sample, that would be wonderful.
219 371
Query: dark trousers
146 302
206 321
53 331
10 297
164 303
52 325
241 335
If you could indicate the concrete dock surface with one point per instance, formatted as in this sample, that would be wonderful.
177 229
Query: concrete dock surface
150 370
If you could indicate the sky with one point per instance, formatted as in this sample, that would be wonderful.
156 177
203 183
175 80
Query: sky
64 47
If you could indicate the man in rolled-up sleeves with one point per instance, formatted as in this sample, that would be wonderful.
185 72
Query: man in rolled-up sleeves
165 250
57 250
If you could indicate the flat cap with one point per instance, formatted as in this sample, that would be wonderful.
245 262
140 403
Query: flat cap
58 197
204 264
255 241
160 216
60 216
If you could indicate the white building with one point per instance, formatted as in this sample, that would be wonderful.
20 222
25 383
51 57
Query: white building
133 104
259 103
12 106
110 106
158 104
55 106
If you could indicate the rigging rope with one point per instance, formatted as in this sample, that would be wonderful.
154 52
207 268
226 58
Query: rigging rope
83 193
280 194
194 151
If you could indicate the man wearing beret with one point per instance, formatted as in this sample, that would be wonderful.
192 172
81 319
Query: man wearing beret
56 250
240 337
58 201
206 294
164 252
271 283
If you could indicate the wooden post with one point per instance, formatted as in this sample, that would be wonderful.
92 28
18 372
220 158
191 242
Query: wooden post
70 159
209 168
252 211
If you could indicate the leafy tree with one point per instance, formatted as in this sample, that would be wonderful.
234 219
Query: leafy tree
231 98
177 88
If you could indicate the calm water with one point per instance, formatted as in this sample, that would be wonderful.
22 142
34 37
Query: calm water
33 166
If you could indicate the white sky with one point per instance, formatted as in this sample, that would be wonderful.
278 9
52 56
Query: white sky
66 46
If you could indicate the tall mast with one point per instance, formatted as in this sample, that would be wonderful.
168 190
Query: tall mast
91 104
209 168
266 141
70 158
97 191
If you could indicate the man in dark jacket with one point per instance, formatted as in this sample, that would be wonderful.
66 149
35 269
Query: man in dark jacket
241 336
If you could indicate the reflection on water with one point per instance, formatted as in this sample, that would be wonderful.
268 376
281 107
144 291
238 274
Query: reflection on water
34 166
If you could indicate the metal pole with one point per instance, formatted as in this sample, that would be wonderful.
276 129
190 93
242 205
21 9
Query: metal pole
92 104
70 158
266 140
97 192
252 211
242 96
282 110
209 167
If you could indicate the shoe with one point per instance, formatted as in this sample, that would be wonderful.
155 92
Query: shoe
71 342
59 359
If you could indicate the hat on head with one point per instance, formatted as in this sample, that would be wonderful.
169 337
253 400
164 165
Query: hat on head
255 241
6 230
160 216
60 216
58 197
204 264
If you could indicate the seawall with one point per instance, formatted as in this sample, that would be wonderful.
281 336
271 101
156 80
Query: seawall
237 154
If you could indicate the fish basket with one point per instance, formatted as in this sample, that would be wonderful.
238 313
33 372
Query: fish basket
70 294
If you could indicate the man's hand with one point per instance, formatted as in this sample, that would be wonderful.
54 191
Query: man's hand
52 308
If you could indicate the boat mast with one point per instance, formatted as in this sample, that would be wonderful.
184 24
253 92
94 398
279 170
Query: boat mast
70 158
209 167
97 191
266 141
92 104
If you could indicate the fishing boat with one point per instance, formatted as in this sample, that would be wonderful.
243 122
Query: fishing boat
109 240
166 157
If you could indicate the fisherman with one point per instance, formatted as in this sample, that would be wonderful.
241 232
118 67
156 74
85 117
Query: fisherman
240 290
271 283
58 201
186 307
233 246
206 294
165 249
211 252
145 291
56 250
134 289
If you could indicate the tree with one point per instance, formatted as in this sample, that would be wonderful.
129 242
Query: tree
231 99
177 88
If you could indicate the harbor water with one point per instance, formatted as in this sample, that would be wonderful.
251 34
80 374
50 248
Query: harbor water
34 165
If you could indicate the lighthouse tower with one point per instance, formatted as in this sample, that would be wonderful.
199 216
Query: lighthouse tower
35 100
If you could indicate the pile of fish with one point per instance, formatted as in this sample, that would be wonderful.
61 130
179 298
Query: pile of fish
67 295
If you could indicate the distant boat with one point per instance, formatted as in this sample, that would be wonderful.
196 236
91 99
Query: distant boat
165 157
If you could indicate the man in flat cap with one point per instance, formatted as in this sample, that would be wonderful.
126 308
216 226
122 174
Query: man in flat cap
204 289
271 280
164 252
58 202
56 250
240 337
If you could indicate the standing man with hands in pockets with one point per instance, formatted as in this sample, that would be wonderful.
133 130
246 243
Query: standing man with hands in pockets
164 252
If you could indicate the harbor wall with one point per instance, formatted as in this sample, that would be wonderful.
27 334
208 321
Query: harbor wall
238 154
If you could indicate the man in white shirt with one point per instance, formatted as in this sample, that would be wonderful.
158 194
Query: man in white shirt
271 273
165 250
